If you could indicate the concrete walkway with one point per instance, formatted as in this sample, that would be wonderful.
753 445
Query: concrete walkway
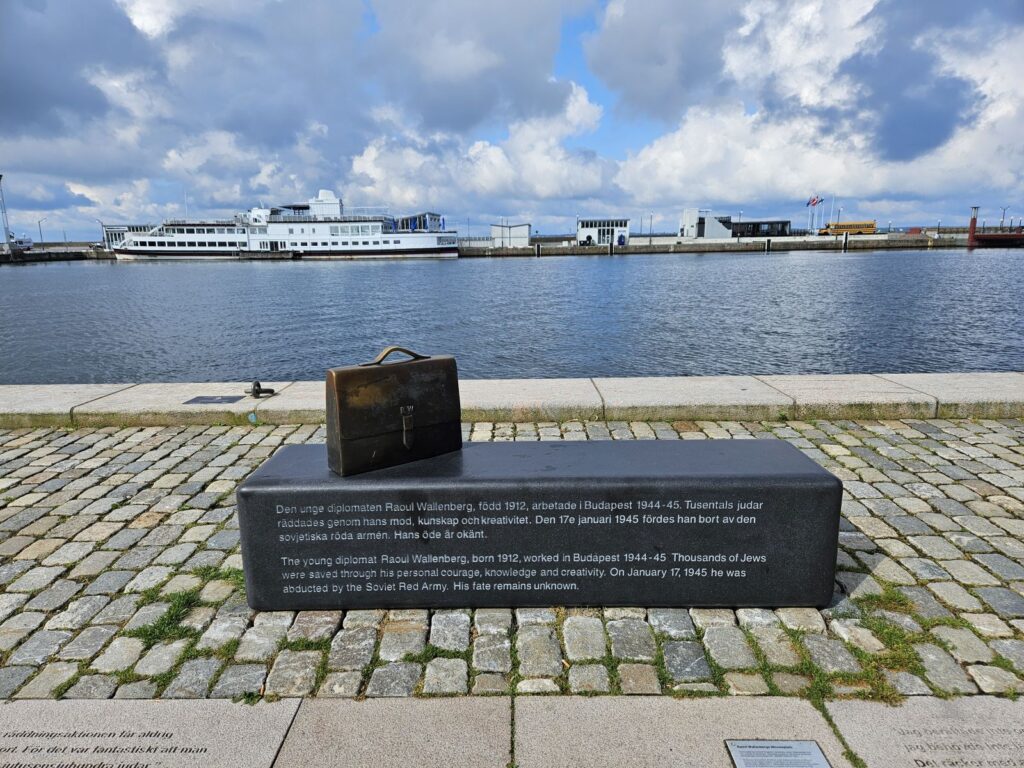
538 732
741 398
122 611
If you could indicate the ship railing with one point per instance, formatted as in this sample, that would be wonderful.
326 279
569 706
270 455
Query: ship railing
202 223
366 210
279 219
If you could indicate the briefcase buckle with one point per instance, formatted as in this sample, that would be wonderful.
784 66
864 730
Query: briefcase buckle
407 426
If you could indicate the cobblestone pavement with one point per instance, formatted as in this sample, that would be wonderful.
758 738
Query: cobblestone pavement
120 577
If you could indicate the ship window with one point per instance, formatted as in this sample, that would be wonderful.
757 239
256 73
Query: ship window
364 229
344 242
190 231
291 230
334 230
366 242
191 245
334 242
398 242
220 230
222 245
387 242
304 244
302 231
376 242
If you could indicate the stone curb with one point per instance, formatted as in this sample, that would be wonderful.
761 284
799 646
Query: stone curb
667 398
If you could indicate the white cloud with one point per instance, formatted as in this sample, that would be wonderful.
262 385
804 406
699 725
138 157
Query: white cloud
156 18
409 170
729 155
798 46
661 56
450 61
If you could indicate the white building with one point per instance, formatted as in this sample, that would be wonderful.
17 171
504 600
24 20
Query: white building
510 235
698 222
602 231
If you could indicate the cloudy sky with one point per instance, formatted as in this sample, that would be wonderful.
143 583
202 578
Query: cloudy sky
534 110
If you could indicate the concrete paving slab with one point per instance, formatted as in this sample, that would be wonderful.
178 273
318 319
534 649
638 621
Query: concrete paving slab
169 404
425 733
969 395
25 405
482 399
529 399
300 402
926 731
164 734
861 396
656 732
691 397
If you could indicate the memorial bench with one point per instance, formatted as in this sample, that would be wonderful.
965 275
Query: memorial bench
730 523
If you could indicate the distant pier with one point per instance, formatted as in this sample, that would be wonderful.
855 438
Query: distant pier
544 247
638 245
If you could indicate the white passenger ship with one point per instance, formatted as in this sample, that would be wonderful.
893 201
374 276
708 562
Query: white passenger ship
318 229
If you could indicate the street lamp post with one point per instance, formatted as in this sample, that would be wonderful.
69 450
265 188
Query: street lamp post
889 231
938 226
1002 217
39 223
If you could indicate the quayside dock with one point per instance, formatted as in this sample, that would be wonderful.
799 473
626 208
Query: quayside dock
739 245
124 625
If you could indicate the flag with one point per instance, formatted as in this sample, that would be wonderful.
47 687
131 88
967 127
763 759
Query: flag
810 201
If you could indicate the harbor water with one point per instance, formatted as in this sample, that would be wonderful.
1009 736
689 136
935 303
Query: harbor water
646 315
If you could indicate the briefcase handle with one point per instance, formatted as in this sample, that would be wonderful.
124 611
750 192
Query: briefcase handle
379 360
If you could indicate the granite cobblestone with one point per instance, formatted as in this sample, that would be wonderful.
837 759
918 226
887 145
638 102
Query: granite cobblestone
119 578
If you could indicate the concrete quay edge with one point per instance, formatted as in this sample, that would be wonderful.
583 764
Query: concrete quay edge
665 398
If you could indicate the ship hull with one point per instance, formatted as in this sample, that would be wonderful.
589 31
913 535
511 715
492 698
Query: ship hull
998 240
131 254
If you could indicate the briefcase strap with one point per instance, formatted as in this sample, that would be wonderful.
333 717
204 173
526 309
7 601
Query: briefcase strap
379 360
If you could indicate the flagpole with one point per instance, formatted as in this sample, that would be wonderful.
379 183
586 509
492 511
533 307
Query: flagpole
832 209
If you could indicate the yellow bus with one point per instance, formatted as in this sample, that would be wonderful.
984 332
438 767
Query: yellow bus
852 227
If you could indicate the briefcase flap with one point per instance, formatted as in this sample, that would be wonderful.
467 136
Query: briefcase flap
378 398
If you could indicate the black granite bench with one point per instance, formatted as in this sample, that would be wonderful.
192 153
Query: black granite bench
727 523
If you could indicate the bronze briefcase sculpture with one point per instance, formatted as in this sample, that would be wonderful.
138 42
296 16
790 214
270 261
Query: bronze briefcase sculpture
382 414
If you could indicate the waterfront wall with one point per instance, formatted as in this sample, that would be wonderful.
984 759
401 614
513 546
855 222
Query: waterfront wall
37 256
739 245
638 246
669 398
